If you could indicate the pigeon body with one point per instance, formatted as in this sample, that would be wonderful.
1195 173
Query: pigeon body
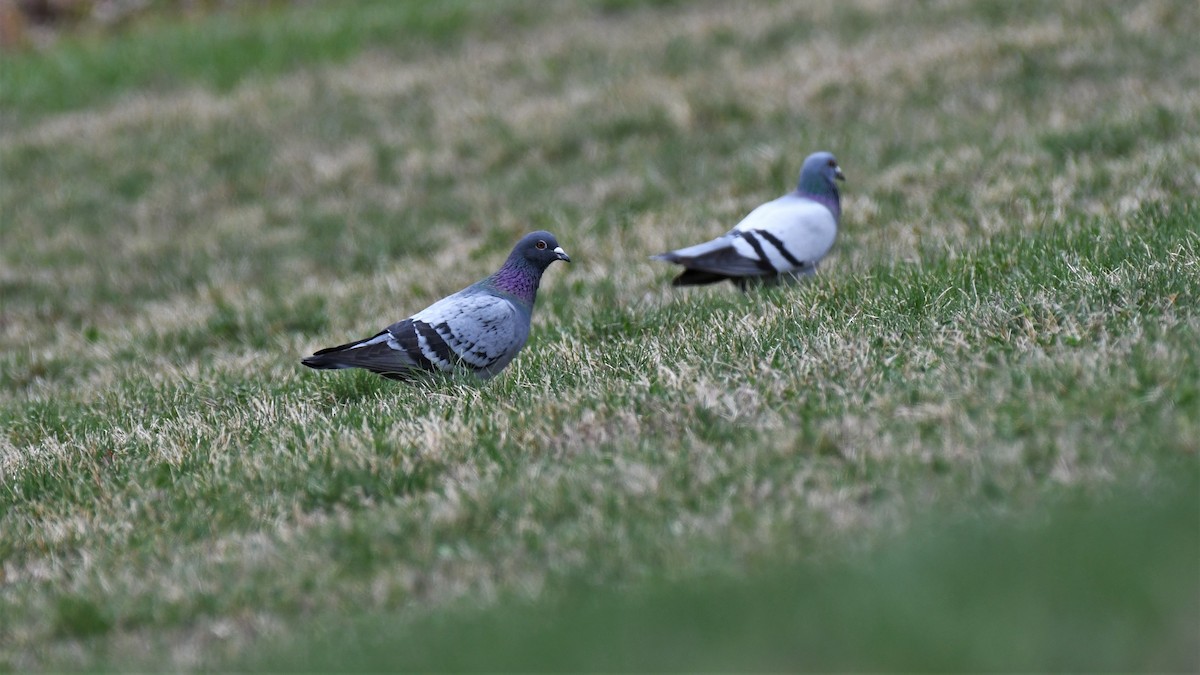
781 239
479 329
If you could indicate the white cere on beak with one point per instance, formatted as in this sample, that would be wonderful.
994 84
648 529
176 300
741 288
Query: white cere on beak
562 255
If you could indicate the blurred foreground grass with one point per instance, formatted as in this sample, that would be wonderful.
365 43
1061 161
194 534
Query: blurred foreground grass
1089 585
218 50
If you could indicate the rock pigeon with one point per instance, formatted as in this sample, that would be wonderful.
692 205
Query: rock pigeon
478 329
782 239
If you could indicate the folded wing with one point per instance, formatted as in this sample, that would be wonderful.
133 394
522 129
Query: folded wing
478 332
785 236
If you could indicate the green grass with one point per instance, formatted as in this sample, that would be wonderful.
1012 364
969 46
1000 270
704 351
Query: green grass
224 49
1094 589
1008 324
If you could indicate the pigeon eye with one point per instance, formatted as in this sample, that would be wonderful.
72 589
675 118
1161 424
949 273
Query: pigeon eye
541 245
832 163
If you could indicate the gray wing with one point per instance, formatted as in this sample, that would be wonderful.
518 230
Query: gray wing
791 233
478 332
786 235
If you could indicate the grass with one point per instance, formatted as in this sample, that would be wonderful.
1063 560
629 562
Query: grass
1008 324
1095 588
223 49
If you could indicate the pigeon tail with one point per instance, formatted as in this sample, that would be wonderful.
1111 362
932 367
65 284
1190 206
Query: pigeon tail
327 359
381 353
319 362
691 277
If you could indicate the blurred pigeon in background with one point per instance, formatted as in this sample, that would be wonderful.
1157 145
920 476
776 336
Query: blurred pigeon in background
479 329
784 238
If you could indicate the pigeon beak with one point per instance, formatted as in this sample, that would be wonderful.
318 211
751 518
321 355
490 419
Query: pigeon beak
562 255
837 173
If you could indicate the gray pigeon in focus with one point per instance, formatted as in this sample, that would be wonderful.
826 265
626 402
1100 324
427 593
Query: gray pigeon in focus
478 329
784 238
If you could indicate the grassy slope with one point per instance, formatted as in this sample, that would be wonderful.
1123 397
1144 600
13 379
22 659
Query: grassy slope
1097 588
222 50
1010 313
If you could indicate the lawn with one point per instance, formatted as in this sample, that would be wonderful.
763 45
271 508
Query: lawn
972 441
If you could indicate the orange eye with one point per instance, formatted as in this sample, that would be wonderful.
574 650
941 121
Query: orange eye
541 245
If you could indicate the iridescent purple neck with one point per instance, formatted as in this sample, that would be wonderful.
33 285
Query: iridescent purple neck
517 279
830 200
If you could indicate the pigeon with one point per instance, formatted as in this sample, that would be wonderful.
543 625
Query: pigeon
479 329
782 239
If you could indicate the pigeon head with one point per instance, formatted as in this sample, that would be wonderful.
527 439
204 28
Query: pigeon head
818 173
522 272
539 249
818 178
